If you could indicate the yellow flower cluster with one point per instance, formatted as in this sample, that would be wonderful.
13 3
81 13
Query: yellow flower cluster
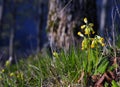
97 40
20 75
84 43
17 74
88 30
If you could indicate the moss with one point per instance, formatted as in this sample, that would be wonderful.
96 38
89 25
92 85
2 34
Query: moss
53 24
56 24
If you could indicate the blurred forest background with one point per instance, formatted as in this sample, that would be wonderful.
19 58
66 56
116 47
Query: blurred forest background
28 26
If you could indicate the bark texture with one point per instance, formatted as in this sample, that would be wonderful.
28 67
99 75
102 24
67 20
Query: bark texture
64 21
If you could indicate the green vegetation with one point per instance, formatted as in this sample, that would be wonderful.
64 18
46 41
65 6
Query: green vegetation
76 68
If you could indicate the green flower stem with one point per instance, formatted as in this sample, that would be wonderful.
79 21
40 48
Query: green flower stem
96 57
88 56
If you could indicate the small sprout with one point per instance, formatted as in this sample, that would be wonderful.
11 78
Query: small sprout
12 74
85 20
80 34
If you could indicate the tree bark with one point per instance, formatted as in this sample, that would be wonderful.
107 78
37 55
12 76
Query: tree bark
64 21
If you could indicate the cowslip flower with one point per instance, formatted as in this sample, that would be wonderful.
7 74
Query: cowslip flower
97 40
87 30
3 70
88 27
85 20
100 40
94 43
7 63
84 44
80 34
83 26
93 32
55 54
91 24
20 75
12 74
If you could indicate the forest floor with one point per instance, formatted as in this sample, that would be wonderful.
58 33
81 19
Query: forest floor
63 70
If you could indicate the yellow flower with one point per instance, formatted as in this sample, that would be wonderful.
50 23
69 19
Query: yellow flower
3 70
84 44
93 32
12 74
87 30
98 37
93 44
103 44
20 75
85 20
80 34
83 26
101 40
91 24
7 63
55 54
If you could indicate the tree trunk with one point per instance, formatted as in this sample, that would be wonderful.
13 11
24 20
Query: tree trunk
64 21
1 10
42 11
8 32
103 17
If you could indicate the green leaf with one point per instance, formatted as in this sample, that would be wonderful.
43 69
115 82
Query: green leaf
114 84
102 66
112 67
